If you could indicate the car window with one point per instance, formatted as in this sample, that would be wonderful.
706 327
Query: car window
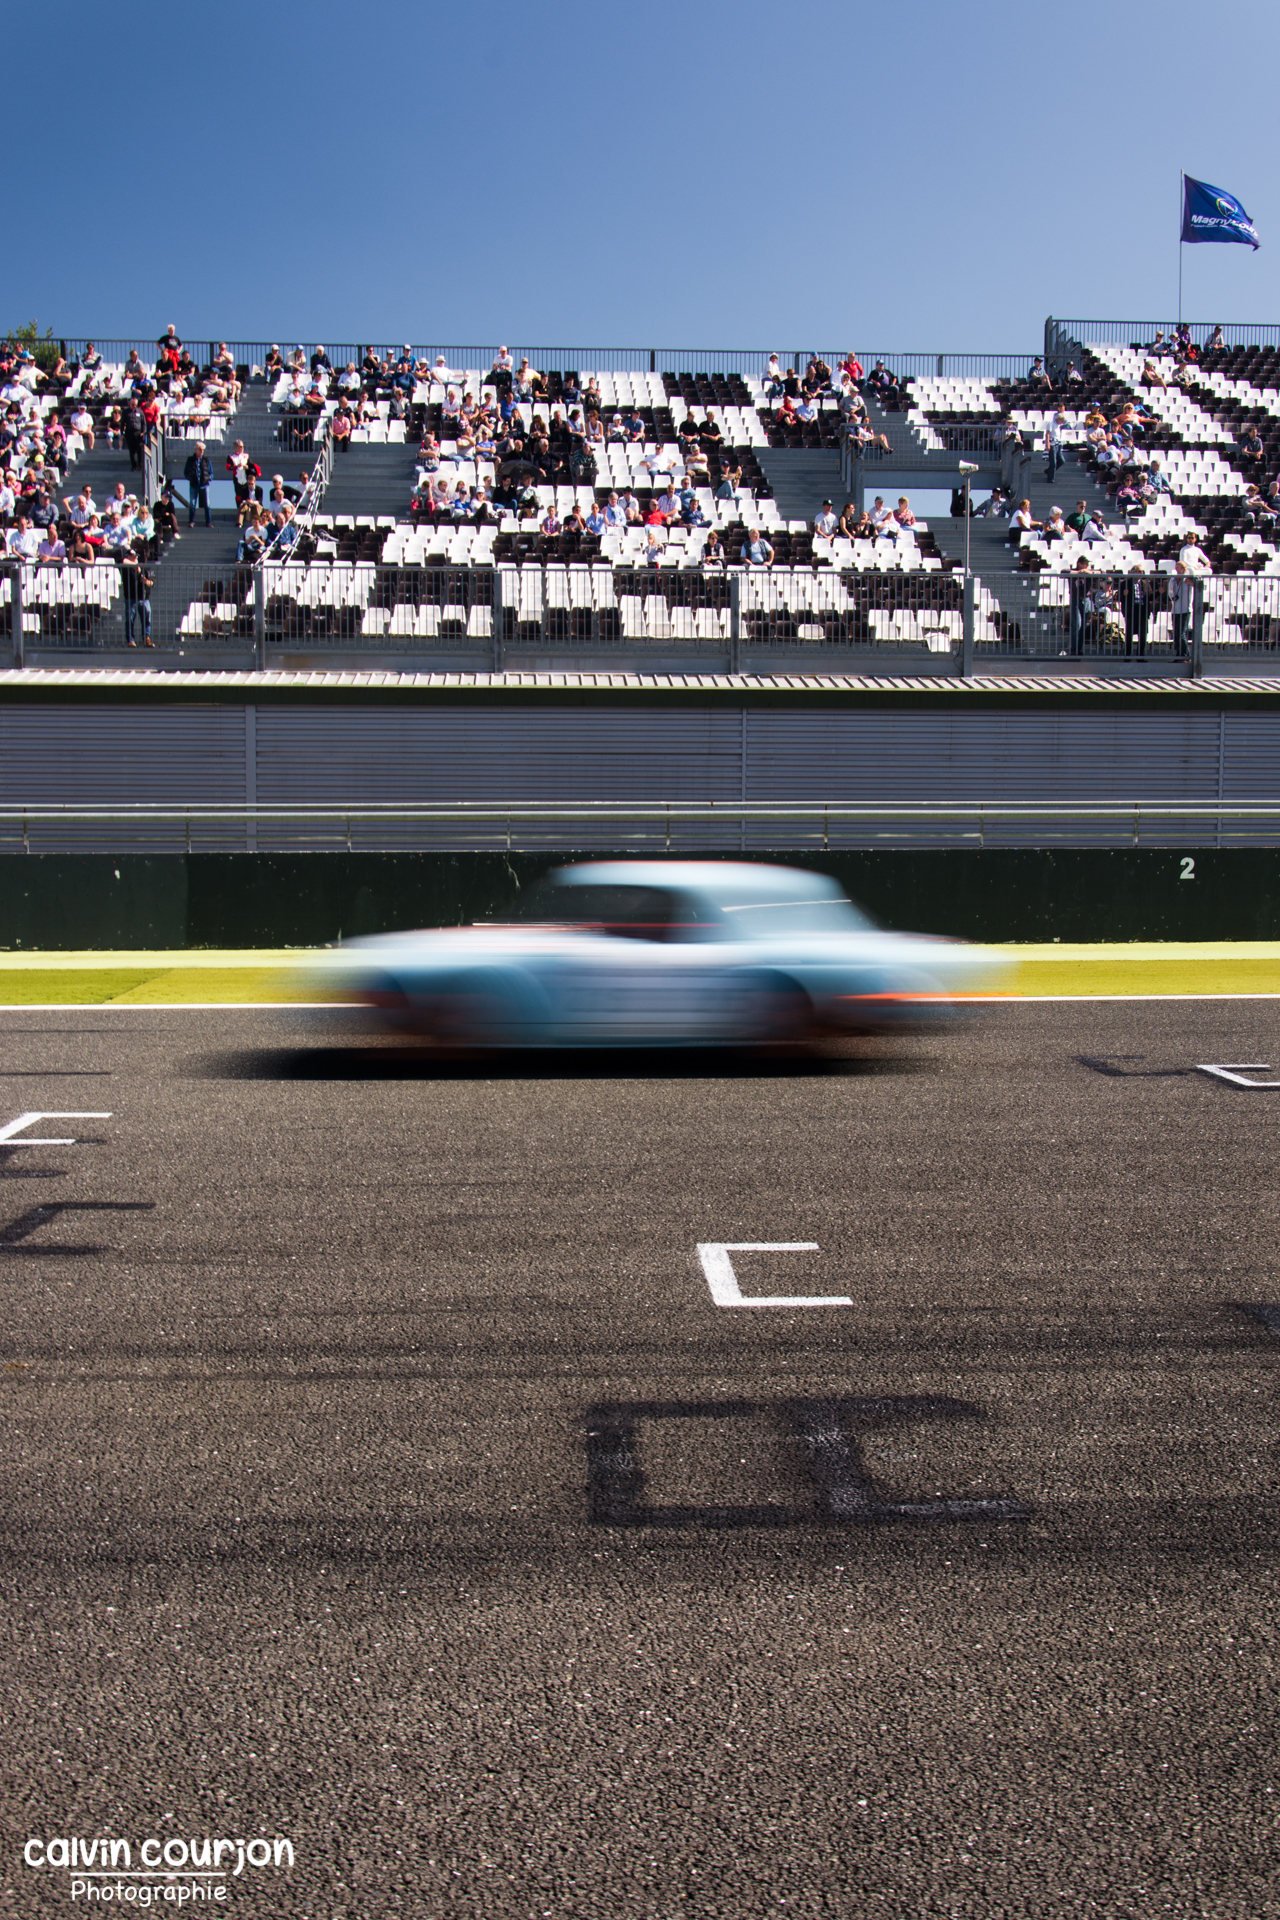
637 913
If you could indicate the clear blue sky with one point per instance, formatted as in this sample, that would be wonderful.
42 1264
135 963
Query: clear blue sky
927 177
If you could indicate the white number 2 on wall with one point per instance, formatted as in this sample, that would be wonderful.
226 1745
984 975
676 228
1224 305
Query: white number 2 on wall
1188 868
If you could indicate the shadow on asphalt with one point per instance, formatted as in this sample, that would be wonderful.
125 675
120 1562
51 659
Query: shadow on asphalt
615 1063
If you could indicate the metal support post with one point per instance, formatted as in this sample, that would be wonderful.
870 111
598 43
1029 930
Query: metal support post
259 619
859 483
1196 665
735 623
498 621
966 642
15 615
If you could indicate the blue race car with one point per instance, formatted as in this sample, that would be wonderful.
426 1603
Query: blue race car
625 952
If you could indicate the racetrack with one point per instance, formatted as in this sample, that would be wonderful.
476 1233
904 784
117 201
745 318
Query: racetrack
382 1473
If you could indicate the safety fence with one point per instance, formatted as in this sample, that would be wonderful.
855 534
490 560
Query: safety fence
882 609
751 362
1060 335
1129 619
653 827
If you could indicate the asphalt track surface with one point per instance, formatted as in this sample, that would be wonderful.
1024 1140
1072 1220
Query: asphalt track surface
380 1472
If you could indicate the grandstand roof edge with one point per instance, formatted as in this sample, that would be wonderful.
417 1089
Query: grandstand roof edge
31 685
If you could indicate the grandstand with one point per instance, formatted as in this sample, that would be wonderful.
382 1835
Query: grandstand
479 509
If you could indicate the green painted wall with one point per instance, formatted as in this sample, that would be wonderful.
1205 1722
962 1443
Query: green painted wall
304 899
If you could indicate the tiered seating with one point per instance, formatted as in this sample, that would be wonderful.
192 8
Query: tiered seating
1200 428
69 602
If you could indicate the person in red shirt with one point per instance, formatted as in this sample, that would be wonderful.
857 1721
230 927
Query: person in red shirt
852 366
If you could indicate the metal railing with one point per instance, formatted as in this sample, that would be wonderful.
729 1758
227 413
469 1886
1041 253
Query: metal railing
872 610
748 361
650 826
1059 334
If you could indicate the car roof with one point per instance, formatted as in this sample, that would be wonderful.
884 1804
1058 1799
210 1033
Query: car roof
721 879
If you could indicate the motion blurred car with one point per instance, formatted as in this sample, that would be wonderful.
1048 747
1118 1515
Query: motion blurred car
630 952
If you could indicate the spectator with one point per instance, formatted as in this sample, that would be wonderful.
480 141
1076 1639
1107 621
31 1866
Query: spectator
115 537
713 556
1079 520
168 346
850 402
82 423
1128 498
849 519
1193 556
1252 450
135 434
863 436
24 540
1181 605
136 584
1055 527
1054 445
1097 529
1021 523
825 522
51 552
596 521
273 366
90 359
852 366
902 512
653 548
1152 376
244 471
253 534
1157 476
880 514
1039 374
756 551
198 472
164 515
1079 595
340 427
773 378
320 361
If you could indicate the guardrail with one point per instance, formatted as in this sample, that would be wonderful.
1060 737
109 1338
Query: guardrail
1121 333
668 826
749 361
861 612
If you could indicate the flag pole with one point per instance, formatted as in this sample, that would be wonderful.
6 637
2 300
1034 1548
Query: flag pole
1182 201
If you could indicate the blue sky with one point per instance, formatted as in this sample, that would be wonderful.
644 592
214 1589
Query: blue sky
934 177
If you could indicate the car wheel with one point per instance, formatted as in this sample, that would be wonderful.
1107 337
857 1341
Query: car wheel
772 1010
470 1011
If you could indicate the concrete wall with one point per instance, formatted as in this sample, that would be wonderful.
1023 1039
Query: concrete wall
64 901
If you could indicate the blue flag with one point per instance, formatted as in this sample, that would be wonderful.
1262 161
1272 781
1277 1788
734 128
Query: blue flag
1210 214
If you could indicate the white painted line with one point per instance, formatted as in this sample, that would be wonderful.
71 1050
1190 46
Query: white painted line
1048 999
723 1281
1235 1074
29 1119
